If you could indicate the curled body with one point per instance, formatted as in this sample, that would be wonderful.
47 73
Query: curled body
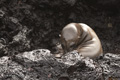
80 37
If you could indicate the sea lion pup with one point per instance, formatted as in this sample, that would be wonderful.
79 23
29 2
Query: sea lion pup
80 37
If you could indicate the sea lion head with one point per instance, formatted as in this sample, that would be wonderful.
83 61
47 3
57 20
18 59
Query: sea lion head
69 37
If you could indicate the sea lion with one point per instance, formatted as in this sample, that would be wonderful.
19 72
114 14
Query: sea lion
80 37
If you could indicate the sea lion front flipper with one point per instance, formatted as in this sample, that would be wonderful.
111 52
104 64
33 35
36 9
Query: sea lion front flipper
59 55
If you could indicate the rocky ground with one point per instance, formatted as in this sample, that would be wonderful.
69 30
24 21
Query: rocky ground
40 64
33 25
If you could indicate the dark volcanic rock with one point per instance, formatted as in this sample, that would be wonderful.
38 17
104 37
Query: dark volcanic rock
46 18
111 66
42 65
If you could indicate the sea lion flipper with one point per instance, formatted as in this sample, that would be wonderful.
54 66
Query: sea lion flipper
58 55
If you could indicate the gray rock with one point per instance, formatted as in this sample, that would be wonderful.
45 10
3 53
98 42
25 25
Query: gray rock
111 66
1 13
42 65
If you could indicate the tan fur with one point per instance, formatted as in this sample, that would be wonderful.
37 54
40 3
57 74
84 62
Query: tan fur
85 41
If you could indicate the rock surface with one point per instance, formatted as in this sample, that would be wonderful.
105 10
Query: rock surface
40 64
44 20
